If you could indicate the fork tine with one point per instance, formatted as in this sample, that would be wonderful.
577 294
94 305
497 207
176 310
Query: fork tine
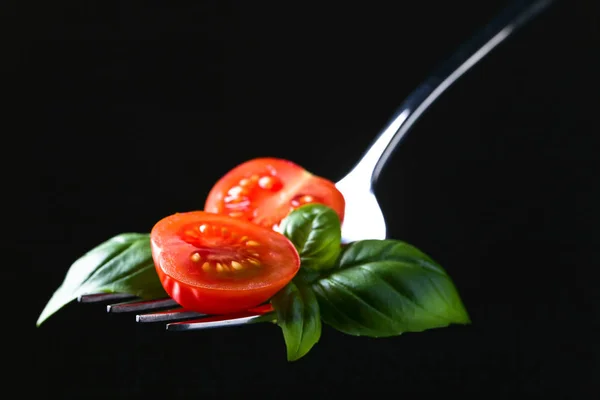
259 314
171 311
102 297
136 306
221 322
168 315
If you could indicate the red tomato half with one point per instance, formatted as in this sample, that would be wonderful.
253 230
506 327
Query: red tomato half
265 190
215 264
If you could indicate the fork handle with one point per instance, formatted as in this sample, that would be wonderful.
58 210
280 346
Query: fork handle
467 55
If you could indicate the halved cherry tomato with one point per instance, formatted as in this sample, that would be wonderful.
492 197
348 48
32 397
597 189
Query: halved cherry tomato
265 190
215 264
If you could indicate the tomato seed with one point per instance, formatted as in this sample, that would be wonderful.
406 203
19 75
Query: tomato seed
195 257
301 200
265 182
236 265
242 201
270 183
252 243
206 266
237 190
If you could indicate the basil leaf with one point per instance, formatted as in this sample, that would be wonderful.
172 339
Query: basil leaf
316 232
387 287
299 318
122 264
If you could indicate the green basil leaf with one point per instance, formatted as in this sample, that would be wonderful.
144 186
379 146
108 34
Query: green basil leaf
299 318
122 264
316 232
387 287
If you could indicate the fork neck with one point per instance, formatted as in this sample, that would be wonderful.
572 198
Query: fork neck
367 170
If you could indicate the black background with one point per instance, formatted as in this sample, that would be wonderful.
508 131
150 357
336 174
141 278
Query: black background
137 109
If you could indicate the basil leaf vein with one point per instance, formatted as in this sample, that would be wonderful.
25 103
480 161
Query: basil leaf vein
298 316
316 233
387 287
122 264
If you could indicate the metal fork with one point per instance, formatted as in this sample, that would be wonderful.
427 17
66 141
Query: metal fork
363 217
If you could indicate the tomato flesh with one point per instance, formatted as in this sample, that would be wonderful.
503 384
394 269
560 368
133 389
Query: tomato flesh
215 264
265 190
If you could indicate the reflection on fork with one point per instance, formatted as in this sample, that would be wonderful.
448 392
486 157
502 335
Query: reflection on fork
363 216
164 310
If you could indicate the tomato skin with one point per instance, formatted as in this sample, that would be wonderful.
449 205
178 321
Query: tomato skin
174 244
265 190
214 301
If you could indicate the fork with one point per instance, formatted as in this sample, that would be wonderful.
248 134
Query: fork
363 216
